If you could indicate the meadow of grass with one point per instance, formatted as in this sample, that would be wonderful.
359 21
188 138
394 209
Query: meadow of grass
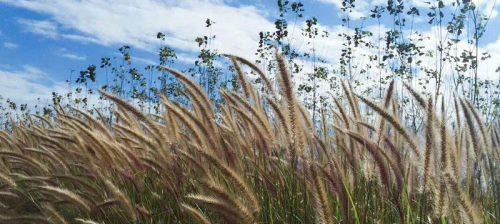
258 158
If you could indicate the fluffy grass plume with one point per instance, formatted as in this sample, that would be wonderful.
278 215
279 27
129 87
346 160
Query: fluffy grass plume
254 159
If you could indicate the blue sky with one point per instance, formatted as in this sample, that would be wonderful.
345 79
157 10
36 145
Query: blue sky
42 42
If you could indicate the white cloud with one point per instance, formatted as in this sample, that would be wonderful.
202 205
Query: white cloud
51 30
10 45
363 7
74 56
63 52
486 7
488 68
42 27
79 38
116 22
137 22
32 86
26 85
145 61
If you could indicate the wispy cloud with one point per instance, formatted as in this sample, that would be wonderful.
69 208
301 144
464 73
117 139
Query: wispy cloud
63 52
10 45
27 85
236 27
51 30
32 86
137 22
145 61
45 28
80 38
363 7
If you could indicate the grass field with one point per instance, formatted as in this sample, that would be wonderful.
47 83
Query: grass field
258 158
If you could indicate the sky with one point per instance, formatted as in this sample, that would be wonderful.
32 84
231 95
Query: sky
42 42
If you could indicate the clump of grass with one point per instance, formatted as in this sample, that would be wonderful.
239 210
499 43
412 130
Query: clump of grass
256 159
